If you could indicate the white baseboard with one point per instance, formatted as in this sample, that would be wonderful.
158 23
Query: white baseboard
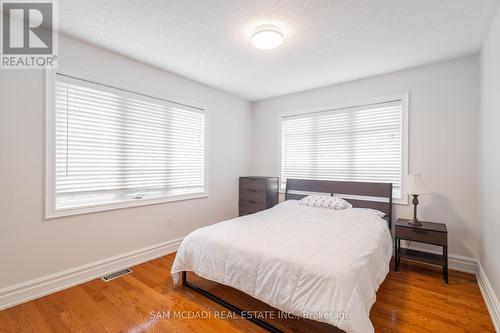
489 296
462 263
49 284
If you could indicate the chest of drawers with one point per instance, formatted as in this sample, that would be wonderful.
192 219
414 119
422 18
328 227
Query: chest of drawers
257 193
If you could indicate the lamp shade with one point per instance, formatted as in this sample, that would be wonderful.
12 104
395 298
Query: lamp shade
416 185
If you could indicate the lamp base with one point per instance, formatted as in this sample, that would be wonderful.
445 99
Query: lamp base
415 223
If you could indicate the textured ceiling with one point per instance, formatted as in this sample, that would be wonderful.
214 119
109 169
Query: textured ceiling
326 41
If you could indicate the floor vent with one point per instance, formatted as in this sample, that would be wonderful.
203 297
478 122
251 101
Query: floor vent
116 275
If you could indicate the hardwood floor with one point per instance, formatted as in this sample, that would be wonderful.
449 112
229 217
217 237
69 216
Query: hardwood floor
412 300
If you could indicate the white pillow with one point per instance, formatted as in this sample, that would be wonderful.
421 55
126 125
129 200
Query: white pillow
371 211
325 201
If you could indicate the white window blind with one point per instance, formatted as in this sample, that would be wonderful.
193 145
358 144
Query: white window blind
351 144
114 146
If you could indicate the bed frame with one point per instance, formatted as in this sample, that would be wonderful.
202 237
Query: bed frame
359 194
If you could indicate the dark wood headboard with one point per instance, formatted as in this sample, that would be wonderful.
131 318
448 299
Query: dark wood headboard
359 194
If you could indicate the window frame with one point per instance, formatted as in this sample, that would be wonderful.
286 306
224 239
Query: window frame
405 100
49 144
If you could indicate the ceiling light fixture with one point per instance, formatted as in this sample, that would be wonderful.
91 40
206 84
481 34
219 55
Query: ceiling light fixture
267 36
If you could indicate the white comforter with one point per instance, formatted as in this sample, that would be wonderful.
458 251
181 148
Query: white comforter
317 263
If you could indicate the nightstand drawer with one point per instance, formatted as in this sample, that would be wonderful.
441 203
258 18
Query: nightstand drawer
251 206
250 183
252 195
421 235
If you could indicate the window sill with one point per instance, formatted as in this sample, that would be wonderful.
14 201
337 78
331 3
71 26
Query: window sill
51 213
402 201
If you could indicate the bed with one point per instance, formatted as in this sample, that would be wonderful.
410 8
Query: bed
309 262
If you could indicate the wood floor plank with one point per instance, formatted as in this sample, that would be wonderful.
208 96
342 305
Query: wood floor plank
414 300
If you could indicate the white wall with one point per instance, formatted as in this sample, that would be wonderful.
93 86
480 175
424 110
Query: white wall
489 161
32 247
442 140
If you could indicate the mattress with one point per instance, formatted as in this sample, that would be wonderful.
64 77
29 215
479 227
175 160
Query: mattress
315 263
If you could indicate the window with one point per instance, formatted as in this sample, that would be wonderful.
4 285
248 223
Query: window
112 148
364 143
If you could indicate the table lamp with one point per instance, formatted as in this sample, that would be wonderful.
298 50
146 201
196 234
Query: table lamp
416 187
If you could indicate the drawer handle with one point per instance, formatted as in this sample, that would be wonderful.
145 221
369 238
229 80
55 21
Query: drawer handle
252 202
252 190
420 231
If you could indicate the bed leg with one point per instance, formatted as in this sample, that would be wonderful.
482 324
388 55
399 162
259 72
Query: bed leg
184 278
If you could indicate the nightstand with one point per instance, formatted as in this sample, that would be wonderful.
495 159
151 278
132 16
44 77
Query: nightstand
428 233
